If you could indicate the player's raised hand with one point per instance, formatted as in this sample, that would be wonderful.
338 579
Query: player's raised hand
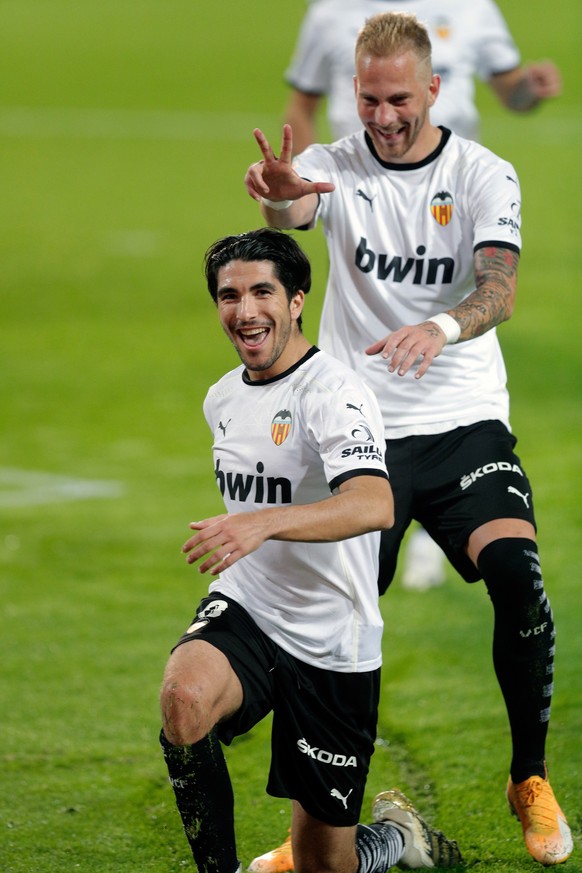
274 177
407 345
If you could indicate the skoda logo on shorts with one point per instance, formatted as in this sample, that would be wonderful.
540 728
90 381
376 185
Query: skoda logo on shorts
334 758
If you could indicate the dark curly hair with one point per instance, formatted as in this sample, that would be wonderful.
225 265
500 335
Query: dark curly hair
290 263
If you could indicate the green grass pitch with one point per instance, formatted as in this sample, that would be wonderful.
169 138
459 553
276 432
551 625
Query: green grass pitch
125 132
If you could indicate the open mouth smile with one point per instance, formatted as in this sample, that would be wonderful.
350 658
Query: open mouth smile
390 135
253 337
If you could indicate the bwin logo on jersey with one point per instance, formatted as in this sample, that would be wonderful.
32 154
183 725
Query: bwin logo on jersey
430 271
442 206
333 758
280 426
259 489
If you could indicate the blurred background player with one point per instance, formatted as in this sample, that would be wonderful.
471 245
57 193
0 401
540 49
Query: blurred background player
469 40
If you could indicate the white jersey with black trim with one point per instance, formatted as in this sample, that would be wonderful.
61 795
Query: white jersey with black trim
401 239
293 440
469 39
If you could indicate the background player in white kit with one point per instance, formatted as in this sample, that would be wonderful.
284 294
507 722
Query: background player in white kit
469 40
423 231
292 625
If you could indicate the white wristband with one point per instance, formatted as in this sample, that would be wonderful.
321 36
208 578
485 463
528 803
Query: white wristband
448 325
276 204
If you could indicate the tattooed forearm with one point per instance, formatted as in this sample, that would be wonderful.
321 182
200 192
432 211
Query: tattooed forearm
492 301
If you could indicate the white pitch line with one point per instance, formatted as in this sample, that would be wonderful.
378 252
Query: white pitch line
192 125
20 488
39 122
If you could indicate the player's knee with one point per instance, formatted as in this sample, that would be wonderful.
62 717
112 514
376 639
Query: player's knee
184 714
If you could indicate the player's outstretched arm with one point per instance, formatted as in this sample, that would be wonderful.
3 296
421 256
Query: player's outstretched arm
286 199
493 300
362 504
523 88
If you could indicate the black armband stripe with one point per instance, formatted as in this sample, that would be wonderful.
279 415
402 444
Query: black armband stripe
496 244
363 471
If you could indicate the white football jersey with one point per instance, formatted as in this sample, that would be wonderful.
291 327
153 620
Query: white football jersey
401 239
293 440
469 39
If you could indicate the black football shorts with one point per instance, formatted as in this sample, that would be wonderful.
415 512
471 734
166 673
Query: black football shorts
324 722
452 483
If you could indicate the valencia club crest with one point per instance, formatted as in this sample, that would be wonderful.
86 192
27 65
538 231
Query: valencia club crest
281 426
441 207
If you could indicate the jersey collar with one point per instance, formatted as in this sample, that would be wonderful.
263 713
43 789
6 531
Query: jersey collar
309 354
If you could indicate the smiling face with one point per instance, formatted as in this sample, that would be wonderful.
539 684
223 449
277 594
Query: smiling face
259 319
394 95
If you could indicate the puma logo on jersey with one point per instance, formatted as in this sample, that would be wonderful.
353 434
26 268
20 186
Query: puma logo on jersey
224 426
524 497
364 196
357 408
422 271
258 489
335 793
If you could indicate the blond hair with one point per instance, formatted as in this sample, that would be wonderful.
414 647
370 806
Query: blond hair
393 33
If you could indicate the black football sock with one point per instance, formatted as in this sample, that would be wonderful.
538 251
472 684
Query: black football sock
523 647
204 797
378 846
